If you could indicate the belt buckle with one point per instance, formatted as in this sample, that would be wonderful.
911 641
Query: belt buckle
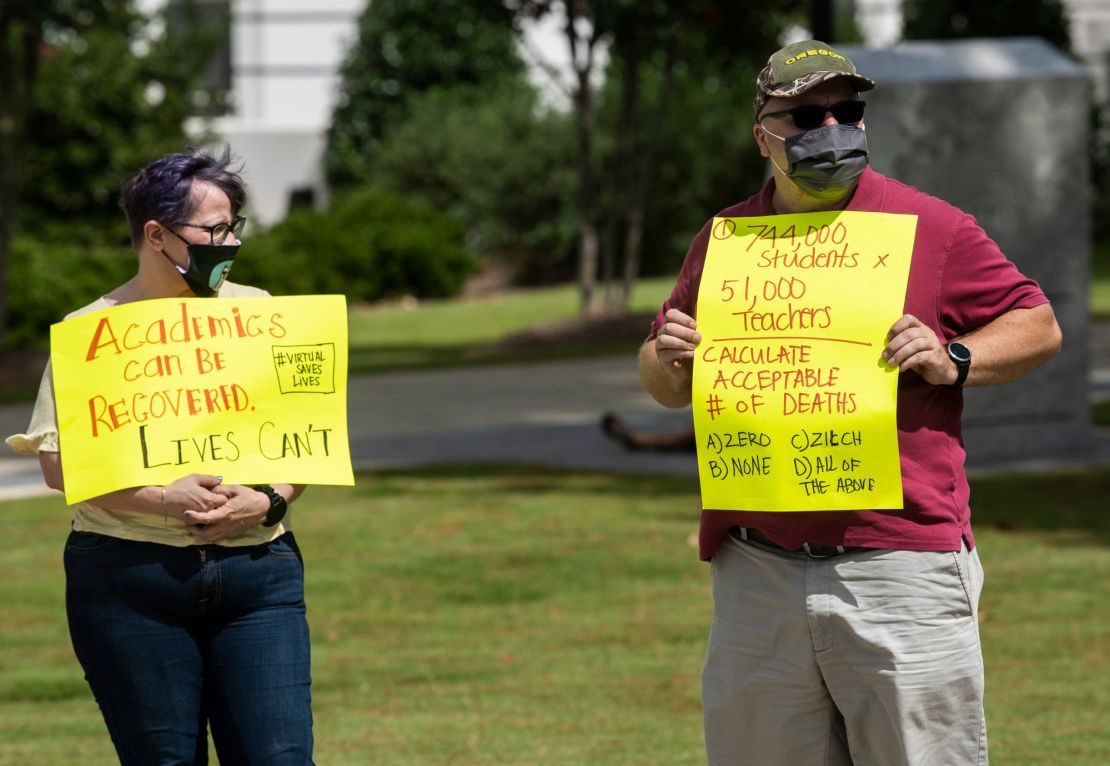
812 554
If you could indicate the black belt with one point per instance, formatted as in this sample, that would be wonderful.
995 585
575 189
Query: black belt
813 550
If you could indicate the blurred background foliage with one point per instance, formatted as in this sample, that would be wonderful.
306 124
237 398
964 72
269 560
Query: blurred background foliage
436 104
405 49
101 111
57 267
104 95
369 243
496 162
946 19
444 161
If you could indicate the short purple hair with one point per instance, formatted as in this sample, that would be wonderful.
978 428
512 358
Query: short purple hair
161 190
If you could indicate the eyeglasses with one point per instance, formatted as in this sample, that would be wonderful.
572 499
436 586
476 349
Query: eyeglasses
810 116
218 232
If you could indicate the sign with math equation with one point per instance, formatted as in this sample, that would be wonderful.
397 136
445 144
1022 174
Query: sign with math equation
251 389
794 408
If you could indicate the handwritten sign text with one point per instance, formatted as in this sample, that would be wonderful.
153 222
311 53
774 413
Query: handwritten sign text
147 392
793 407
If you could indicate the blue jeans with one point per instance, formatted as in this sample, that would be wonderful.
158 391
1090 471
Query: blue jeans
176 639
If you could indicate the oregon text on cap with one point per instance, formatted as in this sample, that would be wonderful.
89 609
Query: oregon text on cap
818 52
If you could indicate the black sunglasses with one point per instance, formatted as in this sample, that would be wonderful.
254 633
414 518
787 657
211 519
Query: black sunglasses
218 233
810 116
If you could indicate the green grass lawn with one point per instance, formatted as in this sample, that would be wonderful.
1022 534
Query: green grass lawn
453 332
442 332
434 333
532 617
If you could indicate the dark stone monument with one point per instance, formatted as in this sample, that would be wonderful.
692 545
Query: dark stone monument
998 127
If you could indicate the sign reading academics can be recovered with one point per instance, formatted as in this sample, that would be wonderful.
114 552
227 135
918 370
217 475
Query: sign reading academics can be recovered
794 408
252 389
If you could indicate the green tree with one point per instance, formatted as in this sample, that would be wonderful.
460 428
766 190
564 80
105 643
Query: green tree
404 49
23 26
80 109
498 164
709 161
477 146
649 44
101 111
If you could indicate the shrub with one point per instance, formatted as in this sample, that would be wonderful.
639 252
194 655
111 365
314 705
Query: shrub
370 244
496 163
58 270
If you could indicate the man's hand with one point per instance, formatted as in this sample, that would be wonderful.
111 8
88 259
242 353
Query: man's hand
912 345
676 339
242 509
666 363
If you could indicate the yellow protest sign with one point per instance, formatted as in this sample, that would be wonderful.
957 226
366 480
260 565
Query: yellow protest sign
794 409
253 389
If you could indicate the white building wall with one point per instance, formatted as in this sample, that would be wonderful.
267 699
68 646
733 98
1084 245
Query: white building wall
1090 39
285 59
879 22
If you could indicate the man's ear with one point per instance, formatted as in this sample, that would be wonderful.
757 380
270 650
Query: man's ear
761 140
154 234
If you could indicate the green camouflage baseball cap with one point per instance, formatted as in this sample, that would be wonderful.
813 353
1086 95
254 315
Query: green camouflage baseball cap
801 66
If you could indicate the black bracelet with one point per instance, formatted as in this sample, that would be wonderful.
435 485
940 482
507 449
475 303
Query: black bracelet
278 505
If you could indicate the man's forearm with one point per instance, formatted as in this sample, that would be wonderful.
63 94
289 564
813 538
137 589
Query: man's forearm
670 386
1013 345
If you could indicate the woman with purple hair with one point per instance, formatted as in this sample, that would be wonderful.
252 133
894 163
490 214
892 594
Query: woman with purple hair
186 601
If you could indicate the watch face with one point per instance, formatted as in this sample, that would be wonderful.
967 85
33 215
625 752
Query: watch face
959 353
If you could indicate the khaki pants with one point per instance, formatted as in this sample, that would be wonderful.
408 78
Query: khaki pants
869 658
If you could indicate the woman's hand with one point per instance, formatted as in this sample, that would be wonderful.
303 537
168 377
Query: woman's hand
193 493
242 508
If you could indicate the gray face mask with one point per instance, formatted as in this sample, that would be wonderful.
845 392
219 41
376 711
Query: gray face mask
825 162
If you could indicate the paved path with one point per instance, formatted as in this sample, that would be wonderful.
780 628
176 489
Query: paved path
545 413
542 413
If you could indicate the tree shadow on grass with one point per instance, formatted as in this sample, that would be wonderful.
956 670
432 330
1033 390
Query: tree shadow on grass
1062 501
1045 502
565 339
541 480
384 358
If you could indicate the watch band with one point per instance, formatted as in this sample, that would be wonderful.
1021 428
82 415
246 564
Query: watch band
961 357
278 505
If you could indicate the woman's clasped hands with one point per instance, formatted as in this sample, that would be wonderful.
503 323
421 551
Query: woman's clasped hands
211 510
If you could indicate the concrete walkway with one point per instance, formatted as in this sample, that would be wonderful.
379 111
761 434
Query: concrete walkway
542 413
518 413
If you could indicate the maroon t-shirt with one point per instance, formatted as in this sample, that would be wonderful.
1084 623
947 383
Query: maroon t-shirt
959 281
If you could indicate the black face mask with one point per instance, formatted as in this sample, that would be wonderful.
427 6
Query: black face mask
208 267
825 162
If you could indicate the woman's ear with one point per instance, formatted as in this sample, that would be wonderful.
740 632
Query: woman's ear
154 234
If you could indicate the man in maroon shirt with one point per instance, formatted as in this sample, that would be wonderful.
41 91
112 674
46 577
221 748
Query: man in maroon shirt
844 637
